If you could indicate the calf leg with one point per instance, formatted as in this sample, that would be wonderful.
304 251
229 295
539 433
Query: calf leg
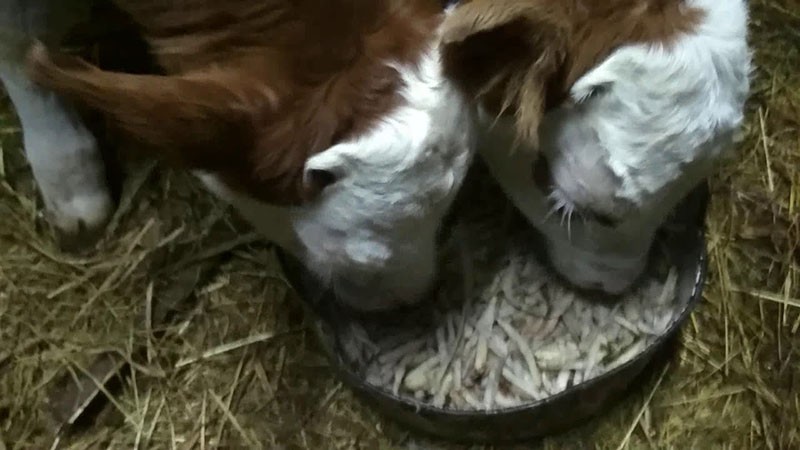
63 154
65 159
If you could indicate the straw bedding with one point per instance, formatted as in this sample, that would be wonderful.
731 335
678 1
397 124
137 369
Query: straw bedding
238 368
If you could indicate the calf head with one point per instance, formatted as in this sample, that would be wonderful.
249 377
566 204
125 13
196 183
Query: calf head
329 126
634 101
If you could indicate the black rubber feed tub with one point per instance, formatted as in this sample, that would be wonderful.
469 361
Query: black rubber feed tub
548 416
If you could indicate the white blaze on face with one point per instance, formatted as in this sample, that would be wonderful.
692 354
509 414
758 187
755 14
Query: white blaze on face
649 123
370 235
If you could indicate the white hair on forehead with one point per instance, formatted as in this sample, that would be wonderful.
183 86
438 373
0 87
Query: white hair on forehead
661 116
371 235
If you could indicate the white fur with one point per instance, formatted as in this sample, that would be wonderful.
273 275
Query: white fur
370 236
63 154
660 118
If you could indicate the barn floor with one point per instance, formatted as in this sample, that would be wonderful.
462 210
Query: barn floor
238 367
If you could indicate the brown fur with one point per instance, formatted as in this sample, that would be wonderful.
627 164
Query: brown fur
521 57
253 87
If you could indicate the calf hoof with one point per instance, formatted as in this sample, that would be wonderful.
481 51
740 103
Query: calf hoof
80 223
81 241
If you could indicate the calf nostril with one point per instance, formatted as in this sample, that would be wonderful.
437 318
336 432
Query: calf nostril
541 174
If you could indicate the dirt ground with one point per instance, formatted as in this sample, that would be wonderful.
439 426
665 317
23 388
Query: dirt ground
238 368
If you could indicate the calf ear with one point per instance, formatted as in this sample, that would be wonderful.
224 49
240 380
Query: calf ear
508 55
195 120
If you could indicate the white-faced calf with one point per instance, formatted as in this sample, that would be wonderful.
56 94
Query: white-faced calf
615 110
329 125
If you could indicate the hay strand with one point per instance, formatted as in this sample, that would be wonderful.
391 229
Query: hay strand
733 383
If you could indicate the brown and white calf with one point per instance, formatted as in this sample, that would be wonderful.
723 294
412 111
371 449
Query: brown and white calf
618 109
621 107
329 125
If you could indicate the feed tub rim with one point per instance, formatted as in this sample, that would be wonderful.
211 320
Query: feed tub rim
608 384
680 319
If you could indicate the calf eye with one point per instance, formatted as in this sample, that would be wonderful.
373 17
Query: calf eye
592 92
597 90
317 179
